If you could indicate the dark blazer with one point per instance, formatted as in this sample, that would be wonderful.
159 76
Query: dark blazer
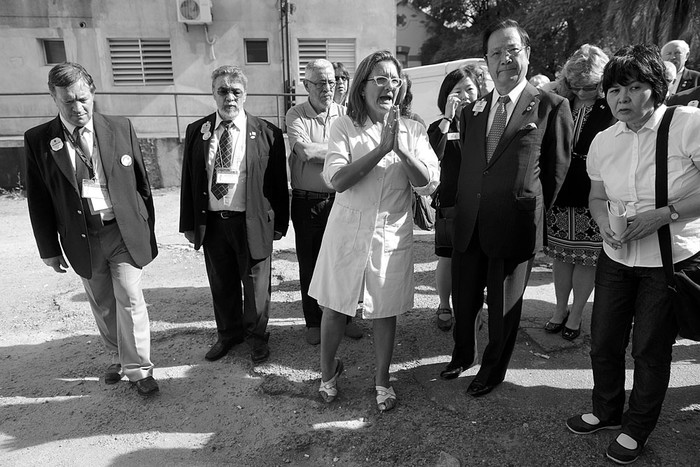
267 193
685 97
504 201
689 79
53 195
574 192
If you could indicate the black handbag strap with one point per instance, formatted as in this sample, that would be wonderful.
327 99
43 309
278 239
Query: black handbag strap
664 232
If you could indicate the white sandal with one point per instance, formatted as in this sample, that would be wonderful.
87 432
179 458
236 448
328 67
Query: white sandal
329 389
386 398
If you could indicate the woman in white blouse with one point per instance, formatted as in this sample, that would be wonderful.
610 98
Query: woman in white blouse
375 158
630 286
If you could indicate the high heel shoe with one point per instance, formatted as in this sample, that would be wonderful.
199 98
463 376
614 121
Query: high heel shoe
329 389
571 334
554 328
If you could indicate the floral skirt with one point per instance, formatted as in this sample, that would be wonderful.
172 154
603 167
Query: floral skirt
572 236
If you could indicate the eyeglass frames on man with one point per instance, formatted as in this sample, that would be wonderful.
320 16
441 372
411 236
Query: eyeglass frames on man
383 81
322 84
499 53
237 92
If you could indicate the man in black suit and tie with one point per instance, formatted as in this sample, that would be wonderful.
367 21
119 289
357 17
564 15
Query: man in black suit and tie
677 52
87 186
516 146
234 190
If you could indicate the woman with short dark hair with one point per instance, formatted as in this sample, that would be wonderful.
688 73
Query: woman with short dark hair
631 292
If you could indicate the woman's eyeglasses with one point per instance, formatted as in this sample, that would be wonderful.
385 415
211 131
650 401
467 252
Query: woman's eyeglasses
588 88
383 81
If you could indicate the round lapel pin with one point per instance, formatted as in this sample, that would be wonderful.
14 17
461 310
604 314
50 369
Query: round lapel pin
126 160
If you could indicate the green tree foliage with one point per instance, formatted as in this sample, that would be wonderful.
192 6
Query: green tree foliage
558 27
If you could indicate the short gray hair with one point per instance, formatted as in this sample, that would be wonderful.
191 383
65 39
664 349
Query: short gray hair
684 45
318 64
235 72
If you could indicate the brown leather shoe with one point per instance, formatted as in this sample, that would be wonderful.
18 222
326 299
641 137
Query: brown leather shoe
113 374
147 386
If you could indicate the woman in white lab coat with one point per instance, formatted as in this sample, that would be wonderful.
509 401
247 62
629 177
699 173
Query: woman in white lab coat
375 159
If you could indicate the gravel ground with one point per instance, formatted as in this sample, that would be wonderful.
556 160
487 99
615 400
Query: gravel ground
56 411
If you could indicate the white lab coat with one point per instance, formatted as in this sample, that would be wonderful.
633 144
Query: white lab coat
369 234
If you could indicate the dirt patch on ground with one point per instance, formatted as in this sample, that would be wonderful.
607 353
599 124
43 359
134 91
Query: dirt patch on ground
56 411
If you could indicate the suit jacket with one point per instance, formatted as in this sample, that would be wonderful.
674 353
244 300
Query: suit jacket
685 97
53 194
574 192
504 201
689 80
267 193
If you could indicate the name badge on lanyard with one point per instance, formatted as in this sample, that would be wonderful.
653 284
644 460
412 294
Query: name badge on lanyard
453 136
227 176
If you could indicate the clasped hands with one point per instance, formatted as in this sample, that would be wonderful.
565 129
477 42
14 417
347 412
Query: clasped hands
390 134
639 226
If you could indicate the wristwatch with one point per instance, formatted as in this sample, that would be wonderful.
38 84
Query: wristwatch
674 213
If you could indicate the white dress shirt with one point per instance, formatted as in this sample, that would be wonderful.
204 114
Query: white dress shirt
625 162
234 200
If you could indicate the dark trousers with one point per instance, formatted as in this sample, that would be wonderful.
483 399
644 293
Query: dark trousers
505 280
241 313
309 217
629 298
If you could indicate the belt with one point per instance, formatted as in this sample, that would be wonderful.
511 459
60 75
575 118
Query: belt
227 214
304 194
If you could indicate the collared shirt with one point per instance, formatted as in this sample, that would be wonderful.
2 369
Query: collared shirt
88 133
306 125
234 200
673 87
625 162
514 95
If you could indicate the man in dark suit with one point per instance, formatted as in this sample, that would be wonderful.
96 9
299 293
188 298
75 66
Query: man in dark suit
516 146
677 53
690 97
87 186
234 190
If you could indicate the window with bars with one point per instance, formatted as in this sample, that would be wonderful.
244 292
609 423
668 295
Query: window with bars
334 50
141 62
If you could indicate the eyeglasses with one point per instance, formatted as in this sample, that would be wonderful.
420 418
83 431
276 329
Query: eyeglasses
322 84
340 78
499 53
237 92
383 81
589 88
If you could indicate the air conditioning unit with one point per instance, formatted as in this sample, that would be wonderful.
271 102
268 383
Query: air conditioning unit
194 11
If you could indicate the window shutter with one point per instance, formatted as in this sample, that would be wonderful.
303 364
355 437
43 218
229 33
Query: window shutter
141 62
334 50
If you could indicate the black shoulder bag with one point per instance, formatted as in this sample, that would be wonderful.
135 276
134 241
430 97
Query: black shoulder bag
684 283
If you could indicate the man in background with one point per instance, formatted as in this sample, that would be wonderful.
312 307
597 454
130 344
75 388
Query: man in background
308 129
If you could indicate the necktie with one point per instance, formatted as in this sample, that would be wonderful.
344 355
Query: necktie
224 154
497 127
84 171
83 166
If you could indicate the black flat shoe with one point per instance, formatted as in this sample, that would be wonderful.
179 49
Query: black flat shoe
555 328
451 372
478 389
571 334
